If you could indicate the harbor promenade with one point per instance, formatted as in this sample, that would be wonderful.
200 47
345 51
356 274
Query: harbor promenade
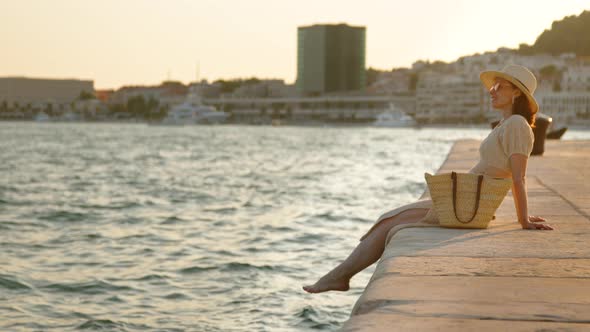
502 278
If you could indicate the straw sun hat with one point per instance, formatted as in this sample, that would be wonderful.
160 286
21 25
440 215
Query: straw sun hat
520 76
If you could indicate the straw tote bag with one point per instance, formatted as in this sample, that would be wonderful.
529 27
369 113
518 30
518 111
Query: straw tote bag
465 200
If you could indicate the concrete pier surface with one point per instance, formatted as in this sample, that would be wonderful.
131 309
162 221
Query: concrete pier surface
502 278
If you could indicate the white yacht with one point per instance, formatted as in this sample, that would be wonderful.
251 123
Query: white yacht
394 117
70 116
192 111
42 117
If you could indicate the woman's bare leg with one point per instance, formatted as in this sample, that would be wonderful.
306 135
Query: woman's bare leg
365 254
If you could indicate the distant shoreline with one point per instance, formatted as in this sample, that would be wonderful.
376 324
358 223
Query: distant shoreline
295 124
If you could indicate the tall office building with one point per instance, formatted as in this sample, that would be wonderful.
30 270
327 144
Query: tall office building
330 58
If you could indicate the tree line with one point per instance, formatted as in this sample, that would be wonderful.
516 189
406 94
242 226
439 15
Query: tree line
569 35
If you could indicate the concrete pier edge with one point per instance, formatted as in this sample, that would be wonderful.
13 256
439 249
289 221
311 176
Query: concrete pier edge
500 278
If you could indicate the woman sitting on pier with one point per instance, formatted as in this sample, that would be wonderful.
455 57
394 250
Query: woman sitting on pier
503 154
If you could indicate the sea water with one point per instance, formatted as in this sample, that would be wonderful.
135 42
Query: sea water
128 227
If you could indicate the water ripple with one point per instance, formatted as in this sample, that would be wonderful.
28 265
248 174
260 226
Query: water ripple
12 282
89 287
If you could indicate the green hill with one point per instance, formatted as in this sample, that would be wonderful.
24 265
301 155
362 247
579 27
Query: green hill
569 35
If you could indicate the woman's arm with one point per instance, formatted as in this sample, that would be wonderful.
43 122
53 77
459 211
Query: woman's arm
518 165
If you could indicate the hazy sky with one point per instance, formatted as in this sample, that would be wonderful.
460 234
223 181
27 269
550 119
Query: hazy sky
131 42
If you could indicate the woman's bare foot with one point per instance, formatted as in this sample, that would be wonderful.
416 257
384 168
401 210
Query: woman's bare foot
327 284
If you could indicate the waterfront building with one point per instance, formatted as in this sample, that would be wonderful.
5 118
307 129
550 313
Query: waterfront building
450 98
348 108
104 95
393 82
122 95
40 92
566 107
206 89
265 89
330 58
576 79
168 93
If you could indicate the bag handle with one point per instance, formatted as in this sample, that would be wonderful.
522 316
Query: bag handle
479 181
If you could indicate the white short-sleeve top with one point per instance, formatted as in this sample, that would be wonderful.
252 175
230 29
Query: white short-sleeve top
510 136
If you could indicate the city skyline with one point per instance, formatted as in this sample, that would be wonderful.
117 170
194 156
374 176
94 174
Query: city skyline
134 43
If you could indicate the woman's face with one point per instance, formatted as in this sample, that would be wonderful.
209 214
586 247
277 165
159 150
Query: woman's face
502 93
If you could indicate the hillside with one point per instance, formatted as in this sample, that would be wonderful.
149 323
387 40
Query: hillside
569 35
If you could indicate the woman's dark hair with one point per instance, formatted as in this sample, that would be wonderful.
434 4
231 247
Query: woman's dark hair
523 108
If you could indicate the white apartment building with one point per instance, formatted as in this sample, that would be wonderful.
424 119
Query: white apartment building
166 95
566 107
498 60
576 79
391 83
122 95
444 97
449 98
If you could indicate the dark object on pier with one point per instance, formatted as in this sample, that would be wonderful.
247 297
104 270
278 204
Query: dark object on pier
540 131
556 134
542 122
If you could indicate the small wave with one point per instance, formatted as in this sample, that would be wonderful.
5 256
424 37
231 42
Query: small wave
116 299
221 209
392 178
228 267
309 317
63 215
138 236
114 206
11 282
177 296
110 325
128 220
172 221
151 277
277 228
20 224
78 263
8 189
93 236
254 240
80 185
180 253
328 216
234 266
146 251
312 318
226 253
181 195
100 324
306 238
196 269
254 249
91 287
307 312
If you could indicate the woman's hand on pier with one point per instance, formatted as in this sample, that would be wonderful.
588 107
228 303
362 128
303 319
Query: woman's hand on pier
534 223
